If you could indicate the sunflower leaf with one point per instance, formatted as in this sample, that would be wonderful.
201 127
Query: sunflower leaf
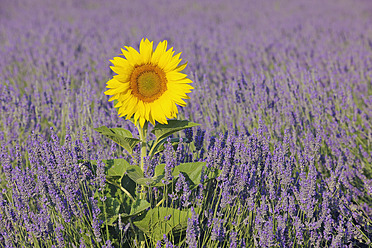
162 131
134 172
120 136
116 167
161 220
158 146
138 206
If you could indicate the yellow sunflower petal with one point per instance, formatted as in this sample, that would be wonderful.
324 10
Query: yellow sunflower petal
174 75
146 50
114 97
178 98
151 119
173 63
166 58
120 89
157 112
118 104
119 61
180 87
114 83
160 49
142 121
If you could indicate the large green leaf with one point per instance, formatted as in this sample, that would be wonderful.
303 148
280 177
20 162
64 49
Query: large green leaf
192 170
158 145
155 224
118 181
120 136
152 181
112 210
136 174
138 206
159 169
162 131
116 168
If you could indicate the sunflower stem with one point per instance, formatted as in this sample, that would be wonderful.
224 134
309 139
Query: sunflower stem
143 138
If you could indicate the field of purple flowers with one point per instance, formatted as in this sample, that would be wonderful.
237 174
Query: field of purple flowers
283 93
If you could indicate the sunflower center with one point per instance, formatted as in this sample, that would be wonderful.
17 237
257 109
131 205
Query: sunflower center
148 82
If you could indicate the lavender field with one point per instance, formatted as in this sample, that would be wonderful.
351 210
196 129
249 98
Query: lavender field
282 93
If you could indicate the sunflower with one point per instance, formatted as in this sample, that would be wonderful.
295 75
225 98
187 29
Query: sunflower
149 84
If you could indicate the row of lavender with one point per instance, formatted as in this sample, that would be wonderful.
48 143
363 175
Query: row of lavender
289 81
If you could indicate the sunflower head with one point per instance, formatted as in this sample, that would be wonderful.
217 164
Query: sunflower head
149 84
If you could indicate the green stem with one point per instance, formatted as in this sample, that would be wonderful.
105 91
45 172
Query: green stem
143 138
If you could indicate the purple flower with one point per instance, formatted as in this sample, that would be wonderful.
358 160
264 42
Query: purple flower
233 239
199 138
108 244
170 161
183 185
218 230
193 230
59 236
188 134
168 244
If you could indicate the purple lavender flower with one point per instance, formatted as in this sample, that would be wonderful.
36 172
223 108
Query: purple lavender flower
199 138
108 244
233 239
193 230
168 244
170 161
218 230
96 221
59 236
188 134
158 244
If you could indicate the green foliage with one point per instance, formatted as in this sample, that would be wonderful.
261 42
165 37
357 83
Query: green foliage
150 220
162 220
116 168
138 206
136 174
120 136
192 171
163 131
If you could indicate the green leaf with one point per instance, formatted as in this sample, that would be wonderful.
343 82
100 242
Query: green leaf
118 182
158 146
120 136
112 209
192 170
162 131
138 206
136 174
151 182
155 225
159 170
116 168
